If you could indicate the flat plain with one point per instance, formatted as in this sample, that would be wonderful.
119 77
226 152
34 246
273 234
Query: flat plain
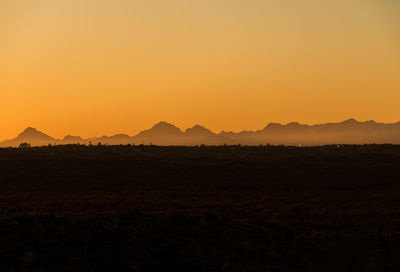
203 208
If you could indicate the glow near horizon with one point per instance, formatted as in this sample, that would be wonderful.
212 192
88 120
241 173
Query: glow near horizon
102 67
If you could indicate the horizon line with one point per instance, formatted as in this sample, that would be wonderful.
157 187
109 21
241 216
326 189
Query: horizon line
221 131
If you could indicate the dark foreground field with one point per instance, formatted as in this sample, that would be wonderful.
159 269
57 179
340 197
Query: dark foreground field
148 208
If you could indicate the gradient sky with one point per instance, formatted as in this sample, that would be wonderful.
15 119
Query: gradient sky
95 67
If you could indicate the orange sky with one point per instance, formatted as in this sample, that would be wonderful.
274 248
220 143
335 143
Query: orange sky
100 67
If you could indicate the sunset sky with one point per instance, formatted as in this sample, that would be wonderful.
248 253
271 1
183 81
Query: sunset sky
95 67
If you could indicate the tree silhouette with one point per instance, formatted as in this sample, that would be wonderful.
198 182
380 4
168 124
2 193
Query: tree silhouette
24 145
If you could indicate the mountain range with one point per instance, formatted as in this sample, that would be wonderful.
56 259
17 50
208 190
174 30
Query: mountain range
349 131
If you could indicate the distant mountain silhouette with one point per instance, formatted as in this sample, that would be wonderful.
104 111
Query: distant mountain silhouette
113 140
198 135
162 133
162 129
32 136
199 131
349 131
32 133
72 140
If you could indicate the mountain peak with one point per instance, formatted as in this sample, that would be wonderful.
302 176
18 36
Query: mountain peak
164 125
295 125
198 127
30 130
350 121
32 134
273 125
162 128
198 130
72 138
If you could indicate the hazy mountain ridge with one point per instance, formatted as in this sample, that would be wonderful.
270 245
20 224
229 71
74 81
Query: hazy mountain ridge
349 131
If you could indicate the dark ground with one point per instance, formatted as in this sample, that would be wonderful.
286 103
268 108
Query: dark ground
148 208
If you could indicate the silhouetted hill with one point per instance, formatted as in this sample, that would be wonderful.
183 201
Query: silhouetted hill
163 128
112 140
198 131
349 131
162 133
69 139
30 135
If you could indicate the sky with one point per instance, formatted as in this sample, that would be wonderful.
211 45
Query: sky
97 67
